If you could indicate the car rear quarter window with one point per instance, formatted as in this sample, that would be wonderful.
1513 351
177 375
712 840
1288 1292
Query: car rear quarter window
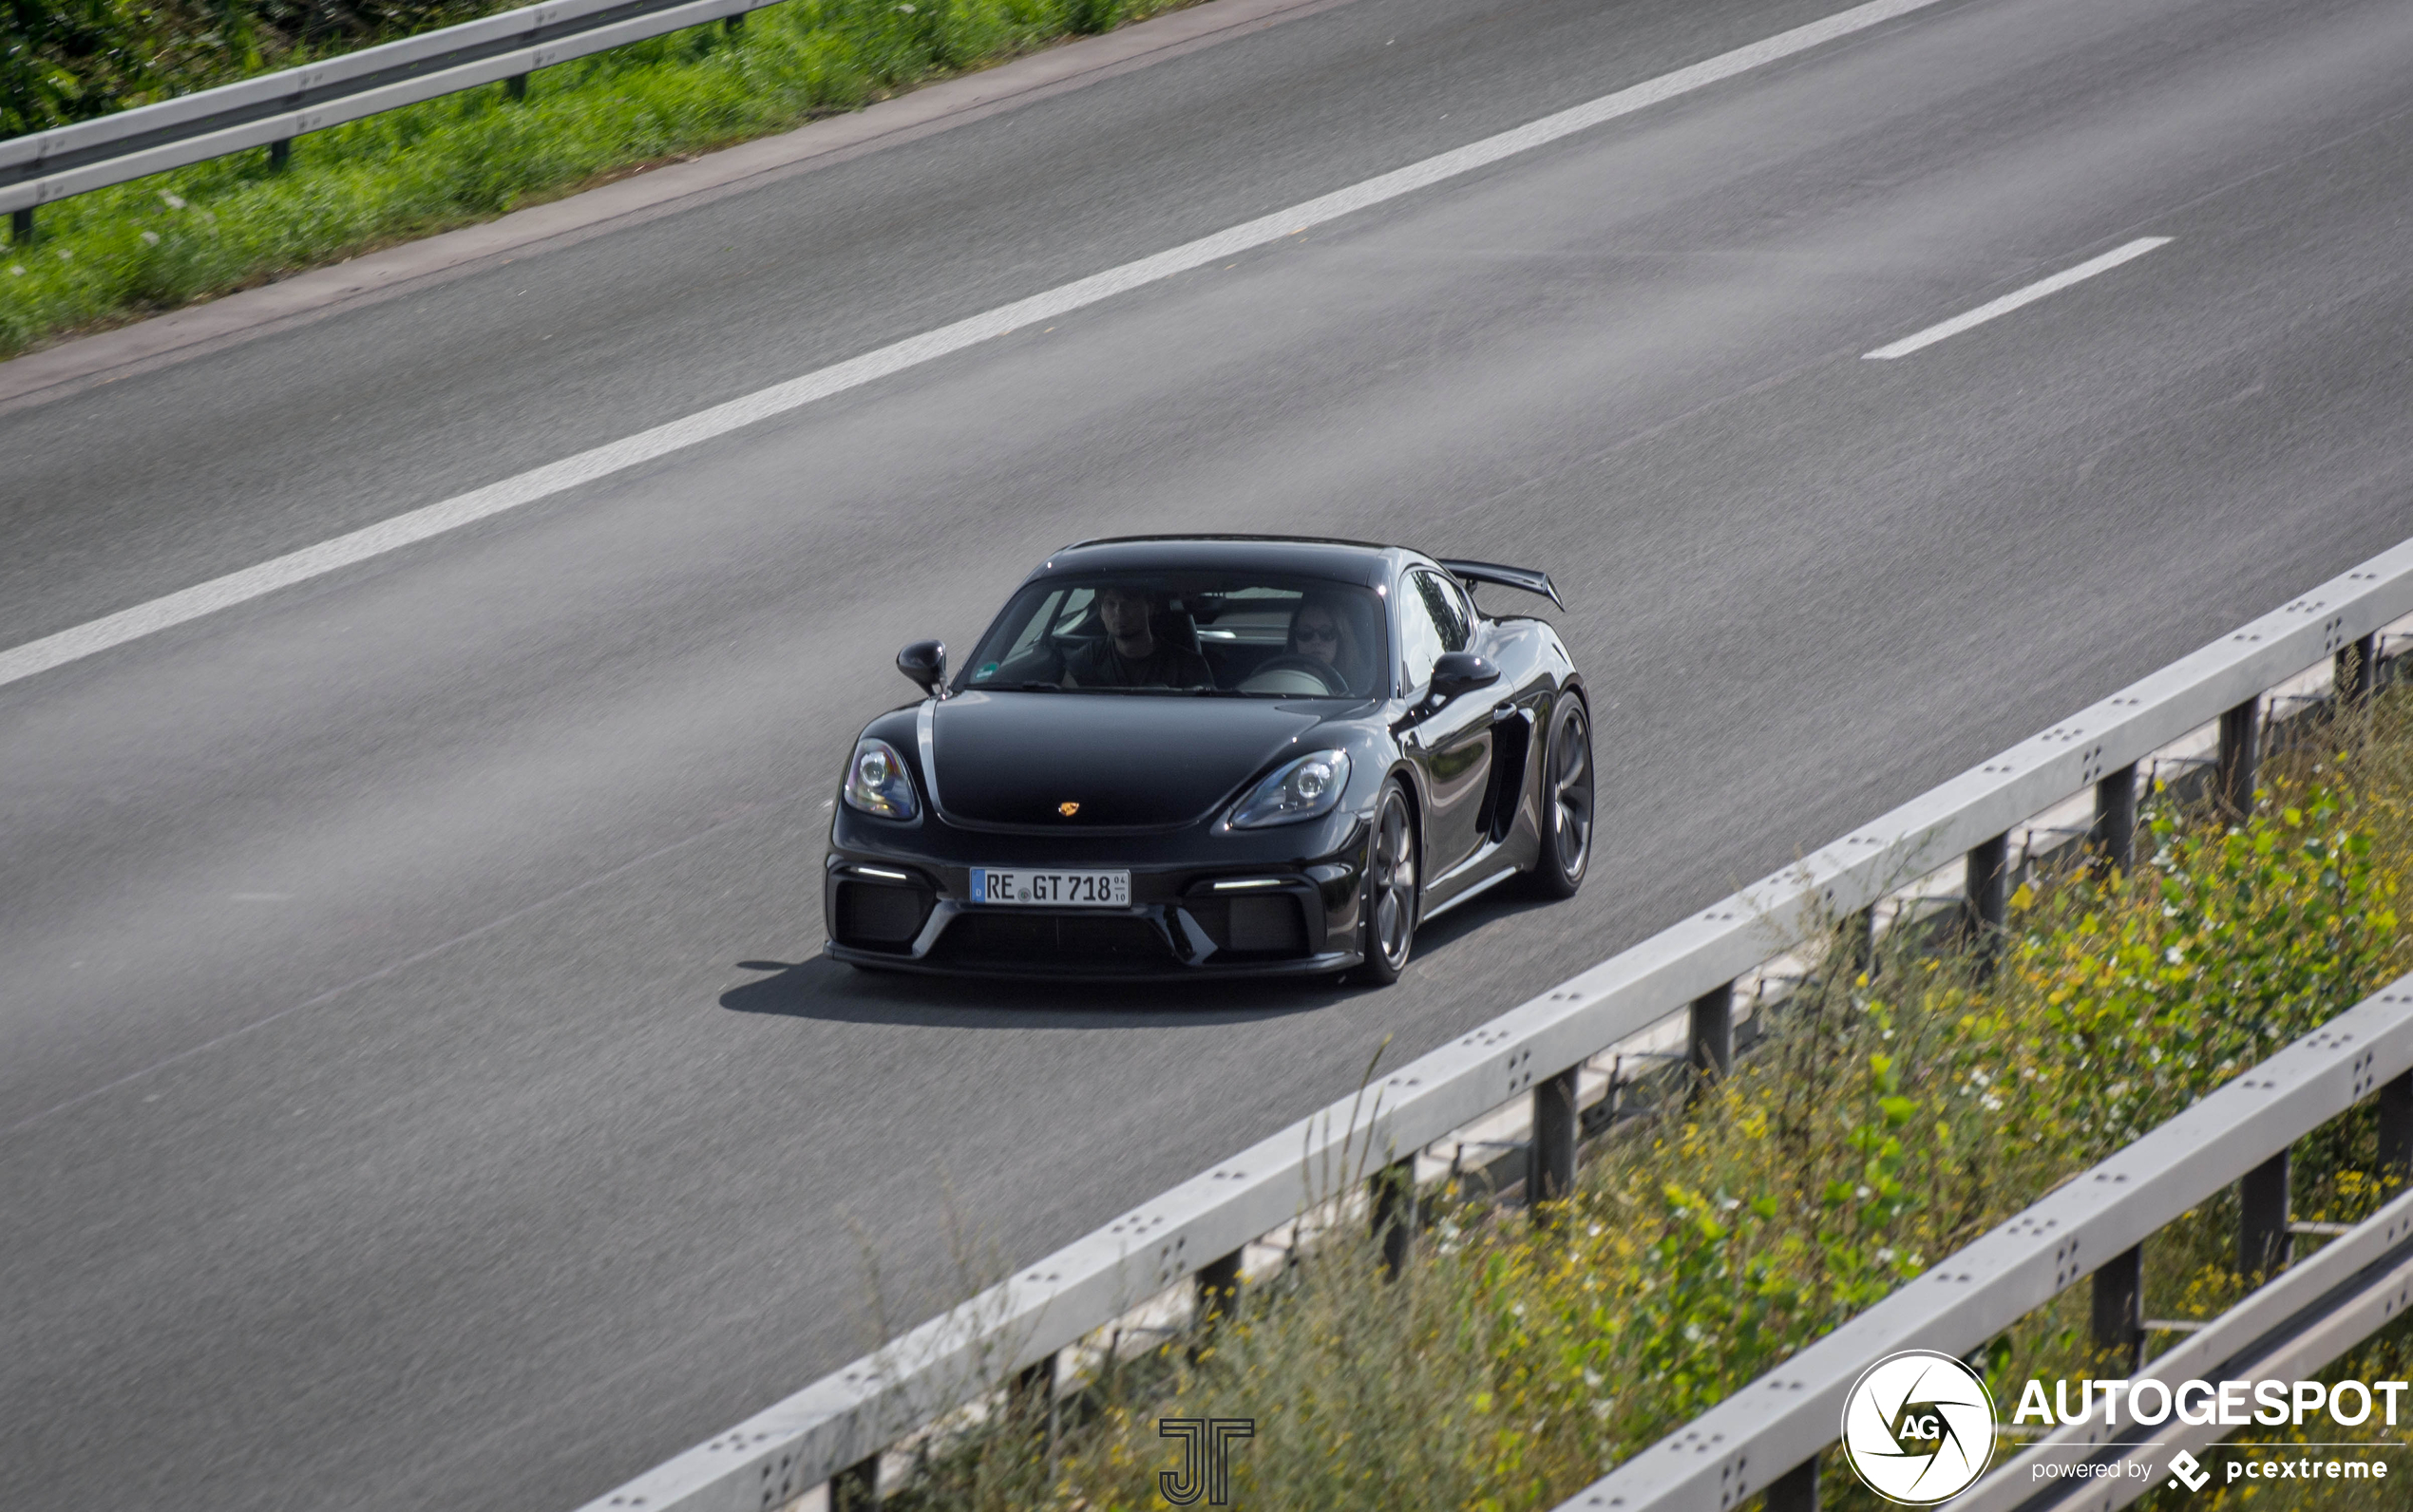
1423 634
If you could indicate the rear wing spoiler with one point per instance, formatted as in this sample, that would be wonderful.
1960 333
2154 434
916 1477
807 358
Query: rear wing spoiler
1485 572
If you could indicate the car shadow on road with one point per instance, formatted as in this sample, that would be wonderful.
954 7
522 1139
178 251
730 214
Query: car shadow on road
835 993
1503 902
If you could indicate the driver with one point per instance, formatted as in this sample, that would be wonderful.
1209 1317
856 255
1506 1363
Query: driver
1132 655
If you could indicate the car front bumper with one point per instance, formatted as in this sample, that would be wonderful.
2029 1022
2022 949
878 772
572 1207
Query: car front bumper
899 897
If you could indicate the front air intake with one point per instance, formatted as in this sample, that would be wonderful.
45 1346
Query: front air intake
879 916
1268 925
1262 924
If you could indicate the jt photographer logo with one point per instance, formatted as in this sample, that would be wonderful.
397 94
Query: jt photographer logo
1205 1470
1918 1428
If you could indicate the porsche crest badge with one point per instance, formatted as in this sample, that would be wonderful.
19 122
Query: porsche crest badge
1068 810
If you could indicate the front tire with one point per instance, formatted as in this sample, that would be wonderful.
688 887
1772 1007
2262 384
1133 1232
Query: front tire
1568 809
1388 897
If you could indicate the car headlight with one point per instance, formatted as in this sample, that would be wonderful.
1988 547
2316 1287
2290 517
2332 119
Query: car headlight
878 781
1305 788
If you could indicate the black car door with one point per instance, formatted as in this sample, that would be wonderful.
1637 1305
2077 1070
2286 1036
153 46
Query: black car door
1453 742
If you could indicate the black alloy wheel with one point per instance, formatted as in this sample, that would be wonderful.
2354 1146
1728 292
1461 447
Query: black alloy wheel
1567 800
1387 898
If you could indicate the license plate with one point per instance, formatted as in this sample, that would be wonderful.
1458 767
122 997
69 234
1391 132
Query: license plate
1029 888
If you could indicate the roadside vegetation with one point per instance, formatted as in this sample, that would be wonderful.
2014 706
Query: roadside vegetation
1889 1118
74 59
149 246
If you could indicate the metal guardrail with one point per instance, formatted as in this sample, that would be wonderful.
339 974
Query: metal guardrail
2356 1285
1758 1438
273 108
834 1430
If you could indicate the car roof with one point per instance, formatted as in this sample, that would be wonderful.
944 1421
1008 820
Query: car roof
1356 561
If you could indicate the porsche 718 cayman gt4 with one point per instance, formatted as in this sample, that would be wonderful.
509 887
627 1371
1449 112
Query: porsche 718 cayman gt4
1213 755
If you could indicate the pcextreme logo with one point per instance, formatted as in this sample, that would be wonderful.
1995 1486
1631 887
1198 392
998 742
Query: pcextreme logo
1918 1428
2189 1470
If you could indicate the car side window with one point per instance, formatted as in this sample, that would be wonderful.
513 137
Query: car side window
1422 635
1452 619
1461 613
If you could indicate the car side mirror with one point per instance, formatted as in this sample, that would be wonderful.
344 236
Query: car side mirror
925 663
1461 671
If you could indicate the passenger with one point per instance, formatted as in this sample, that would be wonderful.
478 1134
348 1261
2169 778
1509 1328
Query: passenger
1324 630
1133 655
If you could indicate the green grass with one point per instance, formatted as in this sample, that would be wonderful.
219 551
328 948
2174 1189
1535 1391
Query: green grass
1887 1122
150 246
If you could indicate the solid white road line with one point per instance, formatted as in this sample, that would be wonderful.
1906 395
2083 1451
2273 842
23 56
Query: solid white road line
2017 297
97 636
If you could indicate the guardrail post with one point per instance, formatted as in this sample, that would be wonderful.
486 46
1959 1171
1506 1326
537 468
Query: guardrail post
1711 1046
856 1489
516 86
1395 1213
21 226
1030 1399
2396 1132
1550 1176
2240 740
1218 1288
1797 1490
2358 672
1989 897
1218 1295
280 154
2114 836
2263 1244
733 25
2120 1308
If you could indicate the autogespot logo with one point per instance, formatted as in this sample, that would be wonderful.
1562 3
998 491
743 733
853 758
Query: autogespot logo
1918 1428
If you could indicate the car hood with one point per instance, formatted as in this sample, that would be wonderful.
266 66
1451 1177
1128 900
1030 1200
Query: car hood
1126 760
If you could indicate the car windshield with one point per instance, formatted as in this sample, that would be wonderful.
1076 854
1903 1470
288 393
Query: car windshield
1235 633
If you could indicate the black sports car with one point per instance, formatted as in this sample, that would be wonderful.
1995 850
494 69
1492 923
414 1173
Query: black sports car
1239 755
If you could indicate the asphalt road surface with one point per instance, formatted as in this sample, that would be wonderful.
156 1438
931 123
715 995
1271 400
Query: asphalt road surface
417 1087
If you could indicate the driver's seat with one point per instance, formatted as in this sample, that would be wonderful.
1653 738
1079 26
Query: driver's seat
1176 629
